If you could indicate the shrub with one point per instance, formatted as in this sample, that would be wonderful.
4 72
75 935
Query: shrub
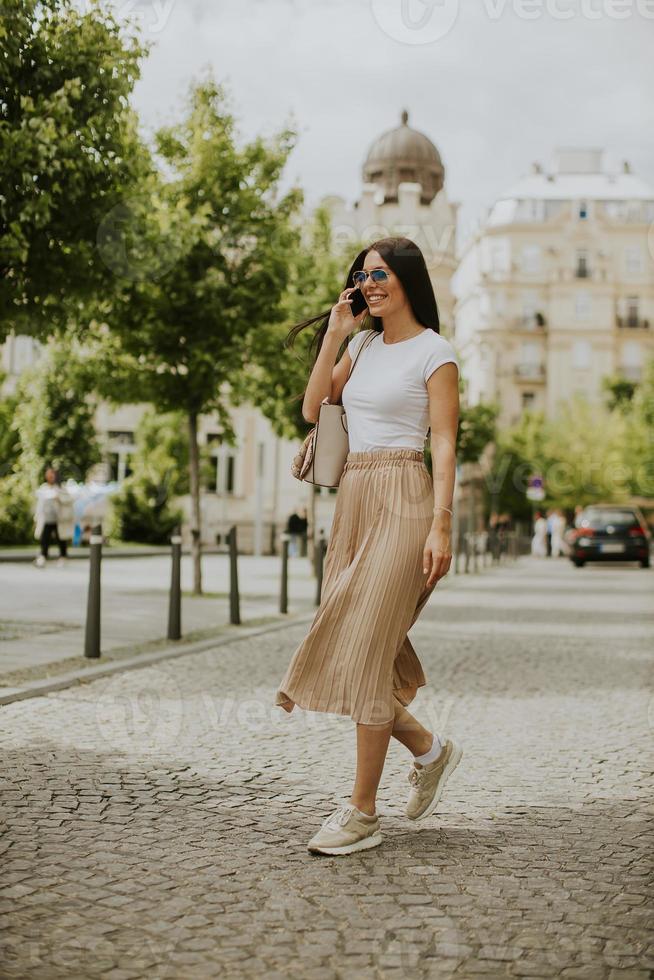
16 511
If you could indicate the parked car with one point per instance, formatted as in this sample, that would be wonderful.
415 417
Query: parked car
610 532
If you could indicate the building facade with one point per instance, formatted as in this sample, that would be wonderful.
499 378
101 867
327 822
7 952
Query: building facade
252 487
555 291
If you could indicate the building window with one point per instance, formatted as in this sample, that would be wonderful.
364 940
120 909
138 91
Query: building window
582 271
581 352
582 305
633 260
528 399
632 311
500 255
120 447
632 361
223 465
530 306
531 259
582 212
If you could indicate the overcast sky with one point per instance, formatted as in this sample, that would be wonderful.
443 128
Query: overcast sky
496 84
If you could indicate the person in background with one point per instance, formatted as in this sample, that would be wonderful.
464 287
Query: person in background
53 517
539 540
558 531
548 536
304 527
294 527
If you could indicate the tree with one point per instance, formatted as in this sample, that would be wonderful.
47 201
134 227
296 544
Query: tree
277 375
69 152
9 438
175 334
619 391
639 435
143 508
55 414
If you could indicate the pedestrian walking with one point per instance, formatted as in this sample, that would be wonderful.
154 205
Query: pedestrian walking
558 532
294 528
53 517
539 540
549 520
390 539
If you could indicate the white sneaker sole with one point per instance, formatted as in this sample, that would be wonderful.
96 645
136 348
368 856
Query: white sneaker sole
359 845
455 759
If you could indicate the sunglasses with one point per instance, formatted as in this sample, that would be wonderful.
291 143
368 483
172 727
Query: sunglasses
376 275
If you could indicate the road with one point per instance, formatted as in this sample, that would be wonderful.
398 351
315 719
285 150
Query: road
156 821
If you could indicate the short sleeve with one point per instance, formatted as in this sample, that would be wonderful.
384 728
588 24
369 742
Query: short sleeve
354 345
441 354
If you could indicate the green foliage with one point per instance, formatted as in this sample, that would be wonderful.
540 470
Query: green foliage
69 152
16 511
9 438
639 436
477 425
143 510
55 414
586 454
277 376
619 391
204 262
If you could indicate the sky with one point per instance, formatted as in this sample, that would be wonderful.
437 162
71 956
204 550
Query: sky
495 84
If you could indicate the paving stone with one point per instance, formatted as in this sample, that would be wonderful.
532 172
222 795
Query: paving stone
150 830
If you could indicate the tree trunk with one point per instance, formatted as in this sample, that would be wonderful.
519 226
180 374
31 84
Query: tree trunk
194 474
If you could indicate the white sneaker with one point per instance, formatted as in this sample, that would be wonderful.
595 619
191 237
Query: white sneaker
40 561
427 782
346 830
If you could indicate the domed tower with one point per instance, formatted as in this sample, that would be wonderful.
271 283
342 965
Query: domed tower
403 193
404 154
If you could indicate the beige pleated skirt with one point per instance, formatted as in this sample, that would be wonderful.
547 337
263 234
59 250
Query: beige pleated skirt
357 657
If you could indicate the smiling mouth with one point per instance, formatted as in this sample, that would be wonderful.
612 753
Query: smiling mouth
375 298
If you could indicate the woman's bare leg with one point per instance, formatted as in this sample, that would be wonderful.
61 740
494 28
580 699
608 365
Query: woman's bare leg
372 745
409 731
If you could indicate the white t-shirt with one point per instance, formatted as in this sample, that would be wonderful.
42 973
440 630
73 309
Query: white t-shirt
385 398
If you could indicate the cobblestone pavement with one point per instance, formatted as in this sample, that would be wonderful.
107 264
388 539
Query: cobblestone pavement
156 822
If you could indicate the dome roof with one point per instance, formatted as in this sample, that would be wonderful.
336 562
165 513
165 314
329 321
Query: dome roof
404 154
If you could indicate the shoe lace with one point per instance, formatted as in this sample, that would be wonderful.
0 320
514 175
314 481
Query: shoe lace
340 816
415 776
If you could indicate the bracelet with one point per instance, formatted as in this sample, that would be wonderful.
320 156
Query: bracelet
440 507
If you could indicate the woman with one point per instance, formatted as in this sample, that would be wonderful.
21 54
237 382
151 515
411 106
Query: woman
390 540
539 539
53 517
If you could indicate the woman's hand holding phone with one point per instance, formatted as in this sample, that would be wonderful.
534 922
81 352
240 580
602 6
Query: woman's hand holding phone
347 314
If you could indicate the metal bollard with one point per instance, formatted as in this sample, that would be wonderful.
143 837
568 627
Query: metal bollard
322 548
92 632
283 598
234 602
175 599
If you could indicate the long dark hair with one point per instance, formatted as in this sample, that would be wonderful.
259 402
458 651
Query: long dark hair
408 263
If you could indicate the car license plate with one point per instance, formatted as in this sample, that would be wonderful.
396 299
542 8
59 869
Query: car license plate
612 548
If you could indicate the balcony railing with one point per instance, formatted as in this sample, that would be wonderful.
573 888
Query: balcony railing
526 371
632 321
533 323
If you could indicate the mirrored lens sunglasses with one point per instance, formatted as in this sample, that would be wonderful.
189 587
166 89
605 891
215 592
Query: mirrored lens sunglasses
376 275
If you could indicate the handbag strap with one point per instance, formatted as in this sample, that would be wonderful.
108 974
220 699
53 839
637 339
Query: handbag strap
361 346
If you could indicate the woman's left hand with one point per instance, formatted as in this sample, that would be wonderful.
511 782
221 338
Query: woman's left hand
436 556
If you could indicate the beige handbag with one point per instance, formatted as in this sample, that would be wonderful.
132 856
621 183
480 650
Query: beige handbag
322 455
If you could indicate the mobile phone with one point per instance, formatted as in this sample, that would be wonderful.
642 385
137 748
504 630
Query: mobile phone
358 302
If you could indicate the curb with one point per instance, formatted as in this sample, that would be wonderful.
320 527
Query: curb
38 689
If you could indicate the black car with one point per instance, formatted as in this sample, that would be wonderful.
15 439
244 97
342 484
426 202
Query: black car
610 532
